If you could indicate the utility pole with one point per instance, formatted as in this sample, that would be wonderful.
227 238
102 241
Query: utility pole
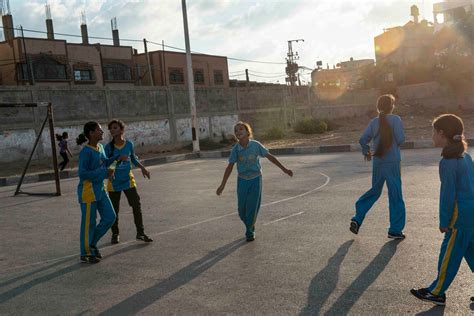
148 62
29 67
247 77
291 65
189 68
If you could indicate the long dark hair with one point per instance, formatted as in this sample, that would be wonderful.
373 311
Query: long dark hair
385 105
59 137
121 124
453 129
88 128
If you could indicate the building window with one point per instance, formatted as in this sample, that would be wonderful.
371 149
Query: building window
47 68
83 75
218 77
117 72
199 76
176 76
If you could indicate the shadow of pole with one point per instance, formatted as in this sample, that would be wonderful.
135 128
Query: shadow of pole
8 295
324 283
146 297
345 302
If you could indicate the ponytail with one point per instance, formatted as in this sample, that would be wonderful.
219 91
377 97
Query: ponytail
81 139
88 128
385 105
453 129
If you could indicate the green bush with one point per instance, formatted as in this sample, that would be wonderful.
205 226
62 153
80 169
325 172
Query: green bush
274 133
311 126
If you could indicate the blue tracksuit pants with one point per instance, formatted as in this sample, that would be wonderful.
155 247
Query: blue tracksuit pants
381 173
90 232
457 244
249 195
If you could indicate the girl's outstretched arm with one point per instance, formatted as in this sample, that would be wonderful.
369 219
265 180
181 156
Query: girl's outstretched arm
227 173
279 165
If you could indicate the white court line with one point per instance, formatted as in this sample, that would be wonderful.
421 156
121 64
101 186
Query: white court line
328 179
283 218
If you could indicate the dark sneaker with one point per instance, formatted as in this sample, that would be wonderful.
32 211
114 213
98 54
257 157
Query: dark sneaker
354 228
425 295
144 237
250 238
396 236
115 239
89 259
97 252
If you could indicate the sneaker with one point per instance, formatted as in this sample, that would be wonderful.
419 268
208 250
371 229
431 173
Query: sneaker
144 237
472 299
425 295
396 236
89 259
354 228
97 252
115 239
250 238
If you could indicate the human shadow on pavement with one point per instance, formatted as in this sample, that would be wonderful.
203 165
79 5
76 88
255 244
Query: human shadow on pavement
12 293
350 296
140 300
324 283
433 311
28 274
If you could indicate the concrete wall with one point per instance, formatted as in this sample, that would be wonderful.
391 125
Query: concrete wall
157 116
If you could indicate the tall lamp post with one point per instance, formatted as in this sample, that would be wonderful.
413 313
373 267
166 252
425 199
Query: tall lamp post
189 67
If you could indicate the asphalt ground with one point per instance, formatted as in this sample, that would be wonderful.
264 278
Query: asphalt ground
304 259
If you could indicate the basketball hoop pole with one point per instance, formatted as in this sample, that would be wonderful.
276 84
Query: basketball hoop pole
49 118
17 191
53 148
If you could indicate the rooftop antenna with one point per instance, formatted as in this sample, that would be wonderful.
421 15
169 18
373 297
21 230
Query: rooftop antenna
113 23
83 18
6 7
47 9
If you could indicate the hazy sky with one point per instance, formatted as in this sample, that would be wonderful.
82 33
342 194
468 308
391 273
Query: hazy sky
333 30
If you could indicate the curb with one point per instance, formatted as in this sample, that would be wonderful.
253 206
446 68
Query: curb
307 150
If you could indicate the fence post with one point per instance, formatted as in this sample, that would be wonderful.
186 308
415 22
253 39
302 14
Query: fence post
171 116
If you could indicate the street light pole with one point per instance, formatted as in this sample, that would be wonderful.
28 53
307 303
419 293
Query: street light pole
189 67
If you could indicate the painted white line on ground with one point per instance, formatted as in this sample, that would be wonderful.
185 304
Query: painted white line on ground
328 179
283 218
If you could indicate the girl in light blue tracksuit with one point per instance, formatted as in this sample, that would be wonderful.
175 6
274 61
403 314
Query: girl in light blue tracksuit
246 154
386 132
91 193
456 207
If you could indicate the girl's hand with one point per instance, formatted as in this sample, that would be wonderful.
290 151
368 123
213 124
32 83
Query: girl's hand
444 230
368 157
288 172
220 189
146 173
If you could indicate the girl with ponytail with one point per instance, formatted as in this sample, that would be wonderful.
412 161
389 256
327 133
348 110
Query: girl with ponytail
456 207
386 133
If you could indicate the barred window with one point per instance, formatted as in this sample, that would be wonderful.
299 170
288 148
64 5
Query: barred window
117 71
83 75
218 77
47 68
199 76
176 76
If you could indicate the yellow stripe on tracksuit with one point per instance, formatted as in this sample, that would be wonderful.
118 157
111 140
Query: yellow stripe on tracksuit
447 255
86 229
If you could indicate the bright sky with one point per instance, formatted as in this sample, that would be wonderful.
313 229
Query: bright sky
333 30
